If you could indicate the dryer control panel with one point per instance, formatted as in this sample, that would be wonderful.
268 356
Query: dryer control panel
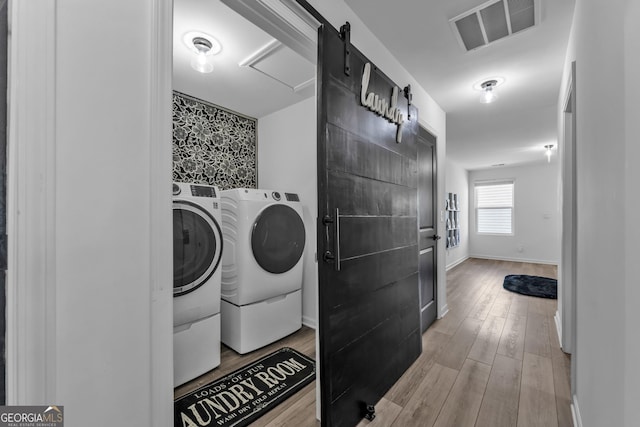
289 197
257 195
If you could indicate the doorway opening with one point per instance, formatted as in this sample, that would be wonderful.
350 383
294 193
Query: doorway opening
249 122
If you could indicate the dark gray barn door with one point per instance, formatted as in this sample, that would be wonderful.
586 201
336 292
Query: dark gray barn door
427 221
367 238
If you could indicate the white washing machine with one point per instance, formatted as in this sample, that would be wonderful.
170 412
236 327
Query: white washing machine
262 262
197 254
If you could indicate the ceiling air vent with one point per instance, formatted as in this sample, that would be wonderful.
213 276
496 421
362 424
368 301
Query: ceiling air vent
493 21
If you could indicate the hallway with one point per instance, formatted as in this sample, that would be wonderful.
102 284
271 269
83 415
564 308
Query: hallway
493 360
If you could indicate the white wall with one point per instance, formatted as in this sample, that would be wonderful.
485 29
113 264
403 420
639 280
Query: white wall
604 44
536 216
287 161
457 181
431 116
90 304
632 206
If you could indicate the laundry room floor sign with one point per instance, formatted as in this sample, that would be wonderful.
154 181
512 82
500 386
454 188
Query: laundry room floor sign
246 394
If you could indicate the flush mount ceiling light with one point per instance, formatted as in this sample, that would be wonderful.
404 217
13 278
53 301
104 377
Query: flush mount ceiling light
488 93
488 89
203 46
548 152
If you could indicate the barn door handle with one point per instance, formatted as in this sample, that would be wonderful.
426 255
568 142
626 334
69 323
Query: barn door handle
337 239
328 256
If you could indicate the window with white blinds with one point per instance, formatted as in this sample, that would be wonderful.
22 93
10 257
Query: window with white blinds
494 207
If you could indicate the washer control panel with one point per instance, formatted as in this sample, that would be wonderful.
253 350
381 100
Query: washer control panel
203 191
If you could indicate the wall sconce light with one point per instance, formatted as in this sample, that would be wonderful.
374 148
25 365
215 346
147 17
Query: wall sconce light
203 46
488 91
548 152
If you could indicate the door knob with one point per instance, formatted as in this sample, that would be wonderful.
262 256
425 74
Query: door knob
328 256
436 237
326 220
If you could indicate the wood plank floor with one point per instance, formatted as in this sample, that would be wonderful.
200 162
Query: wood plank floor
494 360
502 351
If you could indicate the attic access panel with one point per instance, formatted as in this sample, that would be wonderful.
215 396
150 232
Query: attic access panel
282 64
494 20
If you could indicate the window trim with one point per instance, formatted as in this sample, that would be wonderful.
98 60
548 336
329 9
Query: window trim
482 183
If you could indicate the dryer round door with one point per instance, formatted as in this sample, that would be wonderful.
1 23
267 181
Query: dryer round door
277 238
197 246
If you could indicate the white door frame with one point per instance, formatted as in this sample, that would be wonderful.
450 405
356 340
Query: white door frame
32 370
565 317
31 286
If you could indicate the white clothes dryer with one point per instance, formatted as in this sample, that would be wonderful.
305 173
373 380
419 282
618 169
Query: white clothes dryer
262 263
197 254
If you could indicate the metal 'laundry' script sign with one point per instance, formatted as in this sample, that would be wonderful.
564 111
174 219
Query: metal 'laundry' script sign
379 105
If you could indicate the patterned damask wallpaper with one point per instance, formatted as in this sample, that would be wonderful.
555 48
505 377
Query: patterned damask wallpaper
212 145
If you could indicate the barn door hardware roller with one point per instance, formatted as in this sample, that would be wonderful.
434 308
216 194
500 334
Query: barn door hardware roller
409 96
345 35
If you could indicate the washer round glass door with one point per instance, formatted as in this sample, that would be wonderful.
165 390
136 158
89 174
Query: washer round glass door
277 238
197 246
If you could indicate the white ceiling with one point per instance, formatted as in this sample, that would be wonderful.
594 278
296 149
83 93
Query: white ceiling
513 130
274 80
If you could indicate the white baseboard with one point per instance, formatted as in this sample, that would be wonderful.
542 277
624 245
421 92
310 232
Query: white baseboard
532 261
309 322
455 263
444 311
556 318
575 412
